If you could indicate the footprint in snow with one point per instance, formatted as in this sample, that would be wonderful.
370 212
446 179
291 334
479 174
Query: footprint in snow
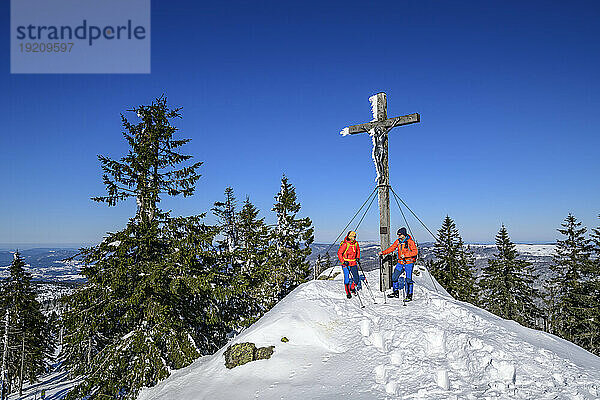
378 341
307 366
381 373
338 310
438 304
325 357
388 334
546 353
391 388
475 343
365 327
396 358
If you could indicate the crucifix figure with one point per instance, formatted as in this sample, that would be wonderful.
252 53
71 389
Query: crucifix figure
378 129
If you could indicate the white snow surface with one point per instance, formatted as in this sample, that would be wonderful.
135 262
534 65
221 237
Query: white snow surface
374 104
55 385
434 348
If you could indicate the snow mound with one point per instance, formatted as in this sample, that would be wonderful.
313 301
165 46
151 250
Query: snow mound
434 348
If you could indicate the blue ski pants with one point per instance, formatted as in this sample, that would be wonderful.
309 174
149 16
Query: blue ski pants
351 275
397 283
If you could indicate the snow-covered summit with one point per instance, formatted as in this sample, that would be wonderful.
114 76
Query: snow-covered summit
434 348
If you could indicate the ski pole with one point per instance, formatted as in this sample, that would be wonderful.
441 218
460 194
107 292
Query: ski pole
352 279
360 300
366 280
369 289
370 292
404 285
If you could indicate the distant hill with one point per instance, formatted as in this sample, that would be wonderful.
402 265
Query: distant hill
48 264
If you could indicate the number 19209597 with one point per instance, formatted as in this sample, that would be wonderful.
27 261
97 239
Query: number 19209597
37 47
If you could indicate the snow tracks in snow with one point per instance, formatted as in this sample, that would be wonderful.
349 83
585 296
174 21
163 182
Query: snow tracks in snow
435 348
439 348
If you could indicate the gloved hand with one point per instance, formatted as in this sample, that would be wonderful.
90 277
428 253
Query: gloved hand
345 263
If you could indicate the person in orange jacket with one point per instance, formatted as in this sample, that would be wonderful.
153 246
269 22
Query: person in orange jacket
348 253
407 255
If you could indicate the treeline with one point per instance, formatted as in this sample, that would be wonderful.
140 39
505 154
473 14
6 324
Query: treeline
165 290
567 304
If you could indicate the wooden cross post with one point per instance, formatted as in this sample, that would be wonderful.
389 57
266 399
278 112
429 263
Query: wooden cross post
378 129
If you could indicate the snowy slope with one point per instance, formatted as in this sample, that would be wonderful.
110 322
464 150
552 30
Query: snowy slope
337 350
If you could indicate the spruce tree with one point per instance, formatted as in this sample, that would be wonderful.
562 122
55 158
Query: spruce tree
322 263
6 335
26 344
254 237
291 241
595 239
319 265
226 213
254 254
592 335
453 266
507 284
328 262
154 291
243 255
228 260
151 166
573 297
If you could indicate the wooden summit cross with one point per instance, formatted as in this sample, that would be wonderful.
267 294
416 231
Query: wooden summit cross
378 129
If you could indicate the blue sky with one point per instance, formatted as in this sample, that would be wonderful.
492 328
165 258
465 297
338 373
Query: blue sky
508 94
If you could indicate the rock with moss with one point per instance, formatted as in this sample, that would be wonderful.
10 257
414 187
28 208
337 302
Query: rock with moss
239 354
325 278
242 353
263 353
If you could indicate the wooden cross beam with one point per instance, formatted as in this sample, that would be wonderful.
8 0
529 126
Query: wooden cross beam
378 129
386 124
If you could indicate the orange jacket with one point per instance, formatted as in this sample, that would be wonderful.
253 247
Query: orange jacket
349 251
408 249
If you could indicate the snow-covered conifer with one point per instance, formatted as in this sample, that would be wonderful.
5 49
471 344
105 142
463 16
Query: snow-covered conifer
25 342
591 336
226 213
322 263
150 167
318 266
254 256
507 284
291 242
572 314
154 292
453 266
